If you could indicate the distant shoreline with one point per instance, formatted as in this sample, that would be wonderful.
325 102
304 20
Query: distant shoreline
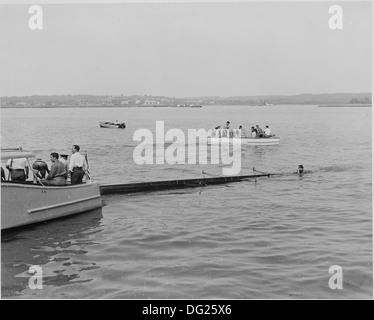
169 106
345 105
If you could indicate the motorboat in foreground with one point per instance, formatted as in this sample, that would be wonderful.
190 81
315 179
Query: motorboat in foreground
112 125
24 203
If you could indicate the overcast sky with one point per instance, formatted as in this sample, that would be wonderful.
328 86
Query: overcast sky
185 49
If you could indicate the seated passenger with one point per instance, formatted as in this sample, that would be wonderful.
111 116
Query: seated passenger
56 176
267 132
260 133
253 132
40 168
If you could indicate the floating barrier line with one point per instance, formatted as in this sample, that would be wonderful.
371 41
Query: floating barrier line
107 189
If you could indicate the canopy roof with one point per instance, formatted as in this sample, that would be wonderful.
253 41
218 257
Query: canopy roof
15 154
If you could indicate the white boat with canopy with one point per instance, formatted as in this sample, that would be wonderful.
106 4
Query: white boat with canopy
216 136
24 203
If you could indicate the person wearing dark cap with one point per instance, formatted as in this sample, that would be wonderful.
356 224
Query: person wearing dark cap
64 160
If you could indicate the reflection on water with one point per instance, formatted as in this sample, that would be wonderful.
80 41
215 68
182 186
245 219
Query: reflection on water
45 245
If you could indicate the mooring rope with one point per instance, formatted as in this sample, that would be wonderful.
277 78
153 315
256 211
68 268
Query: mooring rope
209 174
266 173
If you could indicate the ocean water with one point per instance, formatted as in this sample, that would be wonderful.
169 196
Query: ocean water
271 238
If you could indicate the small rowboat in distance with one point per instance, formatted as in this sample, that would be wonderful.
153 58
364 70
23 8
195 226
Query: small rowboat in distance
112 125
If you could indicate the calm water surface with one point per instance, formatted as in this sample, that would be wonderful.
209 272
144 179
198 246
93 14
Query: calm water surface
270 238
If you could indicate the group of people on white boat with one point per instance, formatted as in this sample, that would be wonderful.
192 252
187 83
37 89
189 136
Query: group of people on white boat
228 132
58 174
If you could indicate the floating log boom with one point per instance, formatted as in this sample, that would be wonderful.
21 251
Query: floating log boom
173 184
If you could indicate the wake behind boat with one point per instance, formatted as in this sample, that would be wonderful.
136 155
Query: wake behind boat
24 203
112 125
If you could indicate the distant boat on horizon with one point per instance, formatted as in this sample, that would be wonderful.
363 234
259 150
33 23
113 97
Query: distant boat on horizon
264 103
188 106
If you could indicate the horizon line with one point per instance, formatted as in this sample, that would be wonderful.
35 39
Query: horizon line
199 96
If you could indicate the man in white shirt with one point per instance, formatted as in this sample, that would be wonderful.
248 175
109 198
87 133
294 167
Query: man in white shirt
243 134
267 132
18 168
77 166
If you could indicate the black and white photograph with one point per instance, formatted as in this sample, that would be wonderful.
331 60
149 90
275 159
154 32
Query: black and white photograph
193 151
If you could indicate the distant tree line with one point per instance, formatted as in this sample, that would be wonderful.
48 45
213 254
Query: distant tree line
365 100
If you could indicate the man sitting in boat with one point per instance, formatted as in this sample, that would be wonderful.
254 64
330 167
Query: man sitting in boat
253 132
56 176
18 168
260 133
267 132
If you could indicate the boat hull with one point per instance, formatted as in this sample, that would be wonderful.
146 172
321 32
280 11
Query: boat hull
245 141
24 204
